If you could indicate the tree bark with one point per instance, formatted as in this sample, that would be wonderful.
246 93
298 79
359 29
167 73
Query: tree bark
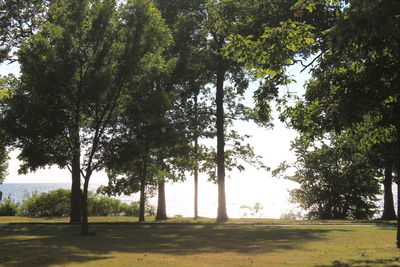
398 208
76 193
388 205
221 215
196 192
161 207
196 166
142 199
398 185
143 189
85 222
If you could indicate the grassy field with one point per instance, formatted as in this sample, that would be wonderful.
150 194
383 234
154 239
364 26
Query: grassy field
180 243
150 220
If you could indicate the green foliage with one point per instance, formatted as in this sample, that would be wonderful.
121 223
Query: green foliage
274 49
77 73
8 85
104 206
117 48
51 204
132 209
276 35
335 180
8 207
18 20
3 163
56 203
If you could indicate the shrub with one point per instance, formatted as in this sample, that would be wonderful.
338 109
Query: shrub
54 203
8 207
132 209
104 206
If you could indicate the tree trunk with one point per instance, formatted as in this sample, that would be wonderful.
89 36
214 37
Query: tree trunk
76 193
85 222
221 215
196 192
142 199
398 186
388 205
398 209
161 207
196 166
143 190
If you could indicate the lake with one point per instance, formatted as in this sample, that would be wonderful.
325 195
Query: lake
272 194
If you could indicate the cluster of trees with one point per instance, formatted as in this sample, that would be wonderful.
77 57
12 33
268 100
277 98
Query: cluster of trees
125 87
122 87
348 120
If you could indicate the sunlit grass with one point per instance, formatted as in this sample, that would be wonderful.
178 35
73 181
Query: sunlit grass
177 242
202 220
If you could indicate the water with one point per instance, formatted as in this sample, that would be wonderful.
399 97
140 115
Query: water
272 195
19 192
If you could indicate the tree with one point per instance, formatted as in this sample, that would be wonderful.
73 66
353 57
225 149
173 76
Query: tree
149 133
75 73
374 137
152 153
336 180
18 19
260 37
190 75
357 73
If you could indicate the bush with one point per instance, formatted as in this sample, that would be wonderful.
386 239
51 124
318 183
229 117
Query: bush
8 207
104 206
132 209
54 203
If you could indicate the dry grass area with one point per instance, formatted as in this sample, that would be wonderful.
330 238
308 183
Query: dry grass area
185 244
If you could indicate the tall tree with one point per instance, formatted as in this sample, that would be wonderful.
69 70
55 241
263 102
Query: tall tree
358 72
363 38
237 30
191 74
19 20
148 133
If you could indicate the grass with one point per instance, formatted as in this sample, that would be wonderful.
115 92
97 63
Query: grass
181 243
255 221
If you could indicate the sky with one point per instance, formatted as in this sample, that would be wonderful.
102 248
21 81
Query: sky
243 188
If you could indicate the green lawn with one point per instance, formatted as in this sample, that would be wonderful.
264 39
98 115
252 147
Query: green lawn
133 220
185 244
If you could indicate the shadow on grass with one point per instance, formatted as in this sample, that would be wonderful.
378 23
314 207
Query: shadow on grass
391 262
44 245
